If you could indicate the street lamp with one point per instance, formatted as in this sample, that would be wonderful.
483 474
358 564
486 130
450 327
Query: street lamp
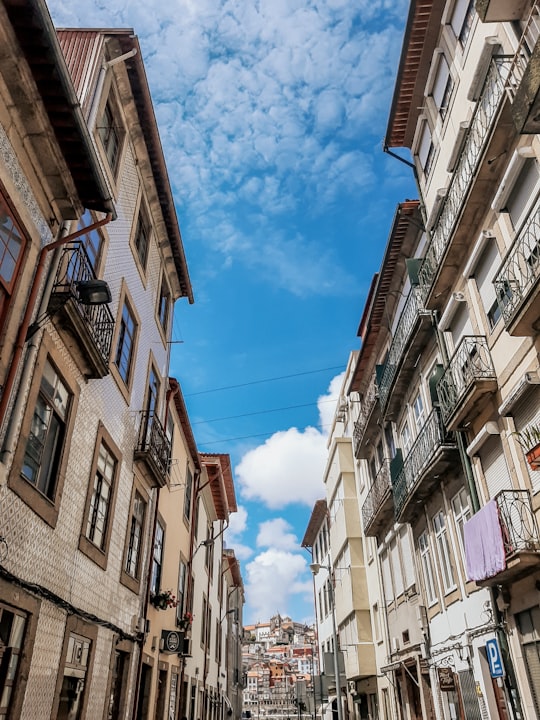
315 567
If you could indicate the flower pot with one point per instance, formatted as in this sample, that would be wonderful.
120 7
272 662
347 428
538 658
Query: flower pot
533 457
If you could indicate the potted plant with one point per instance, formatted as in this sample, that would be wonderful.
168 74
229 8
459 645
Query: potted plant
163 600
529 439
185 621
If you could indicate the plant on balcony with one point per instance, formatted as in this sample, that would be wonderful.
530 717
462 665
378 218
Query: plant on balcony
163 600
529 439
185 621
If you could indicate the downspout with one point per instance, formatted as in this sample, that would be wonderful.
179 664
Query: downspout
411 165
101 81
514 699
23 329
169 396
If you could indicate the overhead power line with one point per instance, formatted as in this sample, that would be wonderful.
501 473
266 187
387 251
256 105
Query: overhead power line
264 380
247 437
261 412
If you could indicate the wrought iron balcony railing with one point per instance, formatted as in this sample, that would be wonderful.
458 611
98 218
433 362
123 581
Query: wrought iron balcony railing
75 266
377 494
518 522
407 320
366 408
518 66
471 362
520 270
154 446
424 449
485 112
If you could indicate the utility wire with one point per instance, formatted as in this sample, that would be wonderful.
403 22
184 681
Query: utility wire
247 437
262 412
264 380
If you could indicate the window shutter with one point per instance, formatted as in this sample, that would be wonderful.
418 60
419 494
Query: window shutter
527 411
523 191
494 466
439 86
461 324
424 146
485 270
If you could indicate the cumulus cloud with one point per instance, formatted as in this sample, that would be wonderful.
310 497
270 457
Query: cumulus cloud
261 108
276 533
288 467
273 578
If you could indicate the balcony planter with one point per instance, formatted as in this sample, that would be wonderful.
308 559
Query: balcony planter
185 622
529 439
163 600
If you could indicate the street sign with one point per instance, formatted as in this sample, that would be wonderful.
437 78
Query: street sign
494 657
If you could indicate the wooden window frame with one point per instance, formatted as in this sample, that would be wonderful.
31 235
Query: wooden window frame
125 299
86 546
46 508
130 581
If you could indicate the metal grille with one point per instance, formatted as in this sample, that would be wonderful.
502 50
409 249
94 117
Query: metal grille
368 403
431 438
377 494
523 54
407 321
518 522
470 362
486 110
154 443
469 695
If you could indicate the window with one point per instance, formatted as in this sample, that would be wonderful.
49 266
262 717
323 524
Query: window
387 578
100 503
164 306
528 623
462 19
12 628
442 87
72 691
91 241
409 575
157 559
141 239
11 250
118 681
110 135
47 433
395 562
426 149
188 493
136 525
419 412
483 274
406 439
126 343
204 621
181 594
523 191
427 568
462 513
443 551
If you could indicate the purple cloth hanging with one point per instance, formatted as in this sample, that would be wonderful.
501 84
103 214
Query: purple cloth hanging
484 547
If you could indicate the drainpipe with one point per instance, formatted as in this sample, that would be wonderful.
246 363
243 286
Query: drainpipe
411 165
514 699
101 81
21 336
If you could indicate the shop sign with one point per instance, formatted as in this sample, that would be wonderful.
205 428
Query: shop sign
447 681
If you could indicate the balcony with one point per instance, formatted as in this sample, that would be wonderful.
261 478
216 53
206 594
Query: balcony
367 419
409 339
378 506
523 81
153 448
516 283
467 383
434 451
87 330
502 542
474 179
500 10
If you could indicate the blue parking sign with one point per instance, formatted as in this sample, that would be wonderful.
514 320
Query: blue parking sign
493 651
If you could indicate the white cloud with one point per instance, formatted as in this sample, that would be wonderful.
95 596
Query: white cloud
288 467
272 581
263 105
276 533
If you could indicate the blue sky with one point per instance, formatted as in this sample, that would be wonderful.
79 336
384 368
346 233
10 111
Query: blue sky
272 115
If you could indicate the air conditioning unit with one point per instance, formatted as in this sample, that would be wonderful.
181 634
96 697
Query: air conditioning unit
395 644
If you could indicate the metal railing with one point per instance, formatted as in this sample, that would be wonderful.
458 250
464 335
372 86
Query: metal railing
75 266
377 494
470 362
407 320
518 66
432 436
154 444
520 270
366 408
518 521
485 112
